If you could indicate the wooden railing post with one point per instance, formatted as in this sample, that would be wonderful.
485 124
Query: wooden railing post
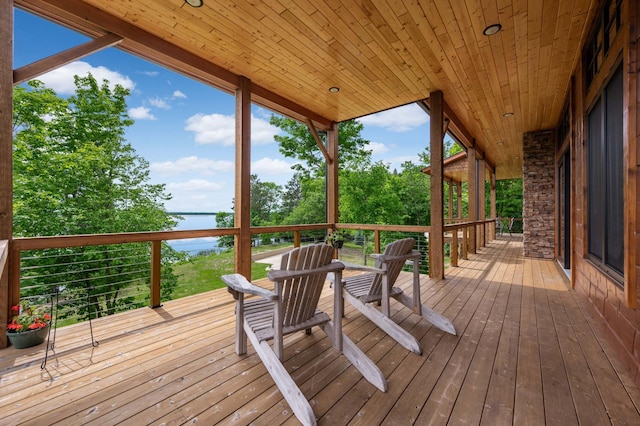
296 238
454 247
156 254
376 241
465 243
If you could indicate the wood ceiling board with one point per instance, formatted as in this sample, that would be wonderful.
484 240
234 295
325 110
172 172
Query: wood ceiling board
381 53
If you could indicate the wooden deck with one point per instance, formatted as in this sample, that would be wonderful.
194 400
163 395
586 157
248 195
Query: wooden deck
526 353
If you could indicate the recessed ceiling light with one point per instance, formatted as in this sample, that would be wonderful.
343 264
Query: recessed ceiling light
334 89
492 29
500 143
507 114
194 3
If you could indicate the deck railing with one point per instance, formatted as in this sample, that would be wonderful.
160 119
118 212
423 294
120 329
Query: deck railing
134 259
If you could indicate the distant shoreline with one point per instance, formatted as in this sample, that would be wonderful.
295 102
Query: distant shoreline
191 214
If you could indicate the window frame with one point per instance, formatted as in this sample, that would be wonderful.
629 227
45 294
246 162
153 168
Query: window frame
599 173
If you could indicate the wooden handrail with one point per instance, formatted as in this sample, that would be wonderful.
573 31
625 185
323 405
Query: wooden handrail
40 243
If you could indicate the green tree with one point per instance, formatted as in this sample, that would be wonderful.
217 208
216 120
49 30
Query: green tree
74 173
368 195
414 192
299 143
225 220
265 201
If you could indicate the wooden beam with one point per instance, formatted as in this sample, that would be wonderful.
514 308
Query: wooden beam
6 161
242 206
316 137
58 60
436 236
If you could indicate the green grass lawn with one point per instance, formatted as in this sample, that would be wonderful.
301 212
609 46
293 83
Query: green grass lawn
203 273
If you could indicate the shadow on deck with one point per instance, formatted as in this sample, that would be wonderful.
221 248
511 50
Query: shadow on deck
526 352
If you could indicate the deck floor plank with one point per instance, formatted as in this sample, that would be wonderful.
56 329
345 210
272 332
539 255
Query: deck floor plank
499 402
527 352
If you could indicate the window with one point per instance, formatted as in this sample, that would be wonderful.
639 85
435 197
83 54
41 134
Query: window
606 180
606 28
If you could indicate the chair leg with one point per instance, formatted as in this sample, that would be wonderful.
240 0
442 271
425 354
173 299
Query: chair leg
241 336
359 359
291 392
438 320
391 328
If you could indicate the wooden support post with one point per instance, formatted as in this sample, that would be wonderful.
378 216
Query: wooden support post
459 195
482 201
473 196
296 239
156 256
436 236
332 175
493 212
376 241
450 200
7 296
242 241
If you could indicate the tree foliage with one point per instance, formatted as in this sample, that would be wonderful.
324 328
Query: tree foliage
74 173
298 143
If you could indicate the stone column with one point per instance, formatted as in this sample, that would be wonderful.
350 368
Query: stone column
538 182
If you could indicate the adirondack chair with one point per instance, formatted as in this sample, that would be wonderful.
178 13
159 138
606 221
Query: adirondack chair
293 306
378 286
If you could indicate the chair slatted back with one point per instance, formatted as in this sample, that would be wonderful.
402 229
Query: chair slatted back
396 248
300 296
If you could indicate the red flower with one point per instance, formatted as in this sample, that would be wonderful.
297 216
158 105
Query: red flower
14 326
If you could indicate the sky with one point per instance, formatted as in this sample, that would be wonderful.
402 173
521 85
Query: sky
185 129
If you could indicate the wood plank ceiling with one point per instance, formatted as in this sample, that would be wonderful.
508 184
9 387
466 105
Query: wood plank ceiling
380 53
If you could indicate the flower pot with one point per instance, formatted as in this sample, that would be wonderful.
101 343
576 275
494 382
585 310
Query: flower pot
337 244
26 339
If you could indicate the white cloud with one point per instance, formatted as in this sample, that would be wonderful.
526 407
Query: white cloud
212 129
376 148
195 185
150 73
192 163
219 129
141 113
179 94
262 132
400 119
61 79
159 103
199 195
270 166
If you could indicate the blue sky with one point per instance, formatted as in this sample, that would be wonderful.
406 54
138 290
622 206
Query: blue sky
185 129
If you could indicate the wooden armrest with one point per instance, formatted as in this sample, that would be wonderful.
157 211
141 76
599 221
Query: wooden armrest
355 267
239 283
415 254
286 274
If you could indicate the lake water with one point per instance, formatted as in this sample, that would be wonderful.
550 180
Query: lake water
195 245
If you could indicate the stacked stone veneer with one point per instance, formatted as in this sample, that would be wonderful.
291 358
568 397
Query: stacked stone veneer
538 183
